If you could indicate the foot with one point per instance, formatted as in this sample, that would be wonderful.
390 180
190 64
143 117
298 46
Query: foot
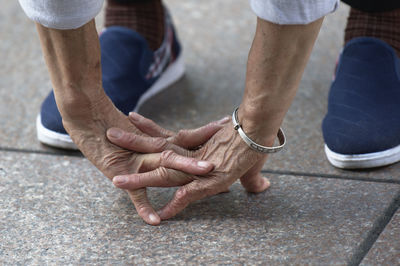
362 126
132 73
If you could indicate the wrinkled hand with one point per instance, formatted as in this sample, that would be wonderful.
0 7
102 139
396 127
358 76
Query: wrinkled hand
89 133
232 158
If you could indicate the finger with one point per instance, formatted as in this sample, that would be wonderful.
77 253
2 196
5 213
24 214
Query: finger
160 177
143 206
256 183
143 144
170 159
135 142
163 176
182 198
196 137
148 126
253 181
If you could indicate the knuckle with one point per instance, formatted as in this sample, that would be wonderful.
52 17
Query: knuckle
213 128
209 192
137 197
182 133
130 138
167 156
182 194
135 181
205 190
166 132
141 209
209 126
112 162
160 143
116 162
204 152
162 172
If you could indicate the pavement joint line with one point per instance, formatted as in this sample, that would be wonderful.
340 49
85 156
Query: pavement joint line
320 175
265 171
29 151
377 228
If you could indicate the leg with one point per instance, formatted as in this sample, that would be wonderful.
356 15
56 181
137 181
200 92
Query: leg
375 19
146 17
362 126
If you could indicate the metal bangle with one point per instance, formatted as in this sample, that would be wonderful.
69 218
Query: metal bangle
252 144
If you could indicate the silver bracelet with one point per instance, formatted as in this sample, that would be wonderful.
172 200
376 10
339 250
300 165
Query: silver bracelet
252 144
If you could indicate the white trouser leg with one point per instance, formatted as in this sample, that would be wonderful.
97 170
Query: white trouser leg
293 11
61 14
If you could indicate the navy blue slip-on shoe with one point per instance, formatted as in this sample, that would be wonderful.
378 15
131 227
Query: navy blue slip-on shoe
132 73
362 126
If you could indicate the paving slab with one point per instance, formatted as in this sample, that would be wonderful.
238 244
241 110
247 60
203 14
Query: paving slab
386 250
24 80
61 210
216 37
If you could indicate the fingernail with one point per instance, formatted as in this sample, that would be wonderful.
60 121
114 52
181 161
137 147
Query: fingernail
153 218
134 116
203 164
120 180
224 120
115 133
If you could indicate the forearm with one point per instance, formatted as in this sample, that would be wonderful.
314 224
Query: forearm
74 64
276 63
73 61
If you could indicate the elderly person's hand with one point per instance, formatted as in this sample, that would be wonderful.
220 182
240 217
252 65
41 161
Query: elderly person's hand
73 59
232 158
89 134
276 62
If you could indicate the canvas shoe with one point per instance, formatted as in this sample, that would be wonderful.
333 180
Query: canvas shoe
362 126
132 73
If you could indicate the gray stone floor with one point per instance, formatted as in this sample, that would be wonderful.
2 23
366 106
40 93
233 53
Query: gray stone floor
387 247
55 208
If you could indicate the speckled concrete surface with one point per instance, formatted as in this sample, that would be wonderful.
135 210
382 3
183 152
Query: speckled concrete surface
61 210
23 78
386 250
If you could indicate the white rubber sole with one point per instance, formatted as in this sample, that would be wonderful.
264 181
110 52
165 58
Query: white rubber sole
172 74
361 161
52 138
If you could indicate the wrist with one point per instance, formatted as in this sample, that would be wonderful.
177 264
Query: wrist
86 112
83 115
76 104
259 125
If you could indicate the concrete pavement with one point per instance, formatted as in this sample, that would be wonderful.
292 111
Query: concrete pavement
56 208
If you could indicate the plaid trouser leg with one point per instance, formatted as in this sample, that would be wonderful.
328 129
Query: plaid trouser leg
383 25
373 5
143 16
